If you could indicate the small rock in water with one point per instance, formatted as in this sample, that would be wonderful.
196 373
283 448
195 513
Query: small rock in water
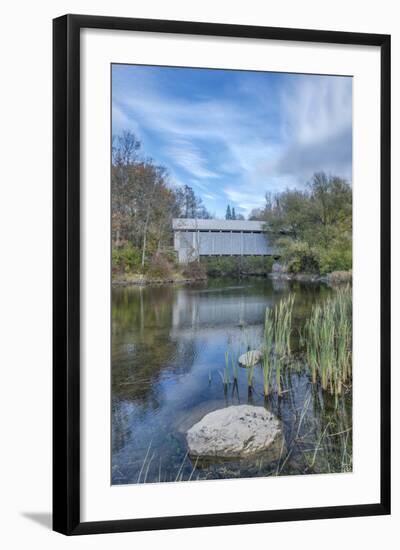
250 358
235 432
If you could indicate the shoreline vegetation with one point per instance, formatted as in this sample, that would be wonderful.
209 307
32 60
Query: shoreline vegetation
178 277
324 348
310 228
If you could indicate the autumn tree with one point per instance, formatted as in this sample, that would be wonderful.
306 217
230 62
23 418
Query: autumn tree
143 206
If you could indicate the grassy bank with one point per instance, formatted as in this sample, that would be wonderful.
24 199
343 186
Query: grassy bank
161 267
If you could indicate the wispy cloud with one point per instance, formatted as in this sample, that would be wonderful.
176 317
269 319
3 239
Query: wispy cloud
317 118
189 157
232 135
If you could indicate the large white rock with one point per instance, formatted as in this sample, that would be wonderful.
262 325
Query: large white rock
235 432
250 358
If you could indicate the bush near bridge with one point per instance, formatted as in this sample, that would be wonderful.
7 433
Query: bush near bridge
236 266
312 229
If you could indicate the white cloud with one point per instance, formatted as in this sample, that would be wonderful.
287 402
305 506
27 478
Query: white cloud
121 121
200 130
317 121
245 201
190 158
257 141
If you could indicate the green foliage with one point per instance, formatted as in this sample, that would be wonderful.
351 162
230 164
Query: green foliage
312 229
267 359
337 257
328 337
298 256
126 258
217 266
282 319
277 334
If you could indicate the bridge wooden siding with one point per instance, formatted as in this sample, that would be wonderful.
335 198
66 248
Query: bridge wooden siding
194 238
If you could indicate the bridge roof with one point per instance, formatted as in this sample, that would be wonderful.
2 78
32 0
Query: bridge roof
191 224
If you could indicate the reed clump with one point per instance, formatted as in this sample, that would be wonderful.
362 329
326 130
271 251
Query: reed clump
277 334
267 352
225 377
328 340
282 320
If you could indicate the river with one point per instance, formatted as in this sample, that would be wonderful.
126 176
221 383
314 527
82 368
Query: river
168 358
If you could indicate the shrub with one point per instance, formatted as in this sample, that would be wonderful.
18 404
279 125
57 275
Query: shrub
159 267
219 265
340 277
194 270
298 256
335 258
233 265
126 258
323 258
256 264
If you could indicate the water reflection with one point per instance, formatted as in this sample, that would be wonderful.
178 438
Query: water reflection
168 346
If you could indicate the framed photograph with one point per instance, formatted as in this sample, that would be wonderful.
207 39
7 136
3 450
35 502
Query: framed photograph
221 274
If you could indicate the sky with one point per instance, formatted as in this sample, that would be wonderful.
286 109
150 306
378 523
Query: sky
235 135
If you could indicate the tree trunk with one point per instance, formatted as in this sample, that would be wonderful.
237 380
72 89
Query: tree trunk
146 223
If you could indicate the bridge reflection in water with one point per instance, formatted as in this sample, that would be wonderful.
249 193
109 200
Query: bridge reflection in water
212 309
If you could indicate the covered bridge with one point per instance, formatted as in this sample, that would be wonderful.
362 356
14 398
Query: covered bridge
194 237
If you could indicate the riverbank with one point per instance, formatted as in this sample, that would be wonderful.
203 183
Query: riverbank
334 278
137 279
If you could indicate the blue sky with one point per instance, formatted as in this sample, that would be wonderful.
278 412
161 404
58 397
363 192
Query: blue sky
235 135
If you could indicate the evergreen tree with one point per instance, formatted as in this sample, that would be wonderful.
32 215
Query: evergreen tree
233 214
228 215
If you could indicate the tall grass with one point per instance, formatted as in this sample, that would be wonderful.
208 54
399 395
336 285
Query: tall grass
282 318
267 352
226 370
234 370
250 374
328 337
277 334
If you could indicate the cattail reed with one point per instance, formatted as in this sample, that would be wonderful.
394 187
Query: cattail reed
283 325
234 370
267 354
277 334
328 341
250 373
226 369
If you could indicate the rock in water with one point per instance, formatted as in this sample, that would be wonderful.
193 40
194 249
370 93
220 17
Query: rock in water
236 432
250 358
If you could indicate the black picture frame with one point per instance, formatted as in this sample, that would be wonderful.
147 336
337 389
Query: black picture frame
66 273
